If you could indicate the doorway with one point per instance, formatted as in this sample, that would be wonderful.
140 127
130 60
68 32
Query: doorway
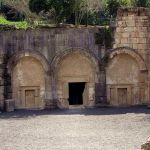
30 98
122 96
76 91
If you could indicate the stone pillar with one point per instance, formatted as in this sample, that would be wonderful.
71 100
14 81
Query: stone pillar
132 30
100 87
1 83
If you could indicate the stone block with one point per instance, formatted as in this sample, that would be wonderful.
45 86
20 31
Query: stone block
9 105
142 46
143 34
143 17
119 29
142 53
133 40
130 18
124 40
134 34
122 24
118 40
126 45
135 46
130 23
142 40
115 45
1 104
129 29
125 35
50 104
146 24
143 29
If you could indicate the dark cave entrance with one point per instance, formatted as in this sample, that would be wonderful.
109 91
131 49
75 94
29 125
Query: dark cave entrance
76 91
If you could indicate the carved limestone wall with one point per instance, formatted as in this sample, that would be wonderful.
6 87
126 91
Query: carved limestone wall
30 62
38 65
127 71
132 30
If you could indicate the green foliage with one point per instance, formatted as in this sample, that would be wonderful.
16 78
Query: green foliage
72 11
148 4
112 7
141 3
37 5
59 10
90 18
79 9
86 12
1 2
104 37
11 13
18 25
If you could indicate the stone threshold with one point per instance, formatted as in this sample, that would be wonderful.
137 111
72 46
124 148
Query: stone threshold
76 106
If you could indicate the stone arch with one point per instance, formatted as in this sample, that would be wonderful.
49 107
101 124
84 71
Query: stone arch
75 66
17 56
28 74
57 59
125 75
131 52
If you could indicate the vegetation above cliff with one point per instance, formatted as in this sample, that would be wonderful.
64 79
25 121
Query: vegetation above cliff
31 13
16 24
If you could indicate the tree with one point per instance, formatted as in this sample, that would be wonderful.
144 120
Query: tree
37 5
58 10
22 6
86 11
79 9
11 13
112 7
68 11
141 3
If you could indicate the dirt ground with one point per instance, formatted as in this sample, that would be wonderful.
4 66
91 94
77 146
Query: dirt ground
75 129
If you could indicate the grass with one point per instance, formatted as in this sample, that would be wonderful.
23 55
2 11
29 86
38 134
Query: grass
17 24
24 24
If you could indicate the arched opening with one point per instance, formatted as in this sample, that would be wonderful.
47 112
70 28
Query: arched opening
123 77
28 83
76 76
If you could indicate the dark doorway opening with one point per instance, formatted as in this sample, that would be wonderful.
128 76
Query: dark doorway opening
76 93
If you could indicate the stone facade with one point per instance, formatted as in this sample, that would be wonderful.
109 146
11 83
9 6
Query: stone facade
128 68
37 66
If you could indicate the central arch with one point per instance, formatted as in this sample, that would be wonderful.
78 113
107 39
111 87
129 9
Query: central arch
76 74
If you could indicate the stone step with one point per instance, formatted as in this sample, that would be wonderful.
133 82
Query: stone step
102 105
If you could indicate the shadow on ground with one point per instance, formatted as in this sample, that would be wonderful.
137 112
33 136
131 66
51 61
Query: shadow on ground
92 111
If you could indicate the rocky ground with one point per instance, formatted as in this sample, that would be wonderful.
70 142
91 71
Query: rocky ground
82 129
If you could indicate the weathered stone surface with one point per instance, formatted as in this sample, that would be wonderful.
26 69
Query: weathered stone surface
9 105
146 146
31 62
132 31
37 66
